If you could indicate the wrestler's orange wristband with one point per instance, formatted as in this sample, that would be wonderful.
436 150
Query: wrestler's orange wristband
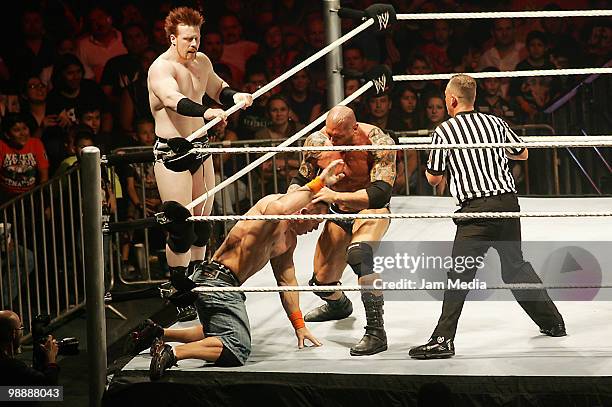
297 320
316 185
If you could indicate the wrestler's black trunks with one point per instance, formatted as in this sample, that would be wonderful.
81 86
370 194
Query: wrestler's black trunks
191 160
345 224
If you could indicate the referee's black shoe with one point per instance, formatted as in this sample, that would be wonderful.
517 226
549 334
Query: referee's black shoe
437 348
555 330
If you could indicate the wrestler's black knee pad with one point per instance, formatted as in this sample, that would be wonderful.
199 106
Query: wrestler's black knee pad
181 236
360 257
323 295
202 230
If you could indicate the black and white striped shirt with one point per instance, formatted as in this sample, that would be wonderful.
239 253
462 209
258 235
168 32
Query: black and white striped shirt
474 173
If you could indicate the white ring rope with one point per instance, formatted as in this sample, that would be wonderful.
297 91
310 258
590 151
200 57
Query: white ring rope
506 14
505 74
584 142
322 289
423 215
286 75
551 138
285 143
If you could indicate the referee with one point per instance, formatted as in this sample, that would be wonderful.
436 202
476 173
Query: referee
481 181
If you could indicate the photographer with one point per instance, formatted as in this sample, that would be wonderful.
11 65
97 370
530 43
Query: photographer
16 372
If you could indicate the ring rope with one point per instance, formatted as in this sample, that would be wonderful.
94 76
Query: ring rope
286 75
422 215
269 155
505 14
506 74
551 138
536 144
319 289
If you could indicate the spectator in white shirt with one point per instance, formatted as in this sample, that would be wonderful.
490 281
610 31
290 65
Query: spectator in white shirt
506 53
236 51
103 43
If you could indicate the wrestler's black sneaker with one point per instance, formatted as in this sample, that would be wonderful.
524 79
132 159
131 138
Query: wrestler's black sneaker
330 311
163 359
437 348
143 337
186 314
555 330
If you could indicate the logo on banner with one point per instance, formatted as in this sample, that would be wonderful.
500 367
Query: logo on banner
383 20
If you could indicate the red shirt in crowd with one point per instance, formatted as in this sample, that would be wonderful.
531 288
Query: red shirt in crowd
19 167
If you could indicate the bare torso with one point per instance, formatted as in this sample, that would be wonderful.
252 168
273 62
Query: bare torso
193 80
357 164
251 244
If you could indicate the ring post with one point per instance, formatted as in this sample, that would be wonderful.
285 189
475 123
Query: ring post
333 60
94 273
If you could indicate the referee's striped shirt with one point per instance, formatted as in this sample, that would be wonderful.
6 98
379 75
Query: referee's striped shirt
474 173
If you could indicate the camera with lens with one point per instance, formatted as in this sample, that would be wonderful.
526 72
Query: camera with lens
40 333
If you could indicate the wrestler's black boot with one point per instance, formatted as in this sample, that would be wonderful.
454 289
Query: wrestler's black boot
178 275
162 360
330 311
143 337
375 338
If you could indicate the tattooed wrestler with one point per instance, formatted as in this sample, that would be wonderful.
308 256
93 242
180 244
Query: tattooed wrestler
365 189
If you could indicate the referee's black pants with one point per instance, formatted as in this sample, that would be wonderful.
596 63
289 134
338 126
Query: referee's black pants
473 238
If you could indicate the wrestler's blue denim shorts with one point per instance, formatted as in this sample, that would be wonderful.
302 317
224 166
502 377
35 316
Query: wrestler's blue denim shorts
223 315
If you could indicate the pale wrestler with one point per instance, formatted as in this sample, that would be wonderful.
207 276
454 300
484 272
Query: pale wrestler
224 336
366 188
177 81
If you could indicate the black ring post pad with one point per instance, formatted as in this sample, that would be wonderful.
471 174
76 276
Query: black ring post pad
383 14
382 77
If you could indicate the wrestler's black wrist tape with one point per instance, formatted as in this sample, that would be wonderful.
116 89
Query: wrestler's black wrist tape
188 107
379 194
226 97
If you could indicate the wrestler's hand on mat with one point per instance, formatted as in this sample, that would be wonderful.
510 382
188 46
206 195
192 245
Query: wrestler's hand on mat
247 98
304 333
210 114
325 195
332 173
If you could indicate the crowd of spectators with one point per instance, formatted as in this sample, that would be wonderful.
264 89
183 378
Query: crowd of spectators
76 72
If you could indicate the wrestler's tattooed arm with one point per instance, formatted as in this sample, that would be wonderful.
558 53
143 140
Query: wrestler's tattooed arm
384 160
309 167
